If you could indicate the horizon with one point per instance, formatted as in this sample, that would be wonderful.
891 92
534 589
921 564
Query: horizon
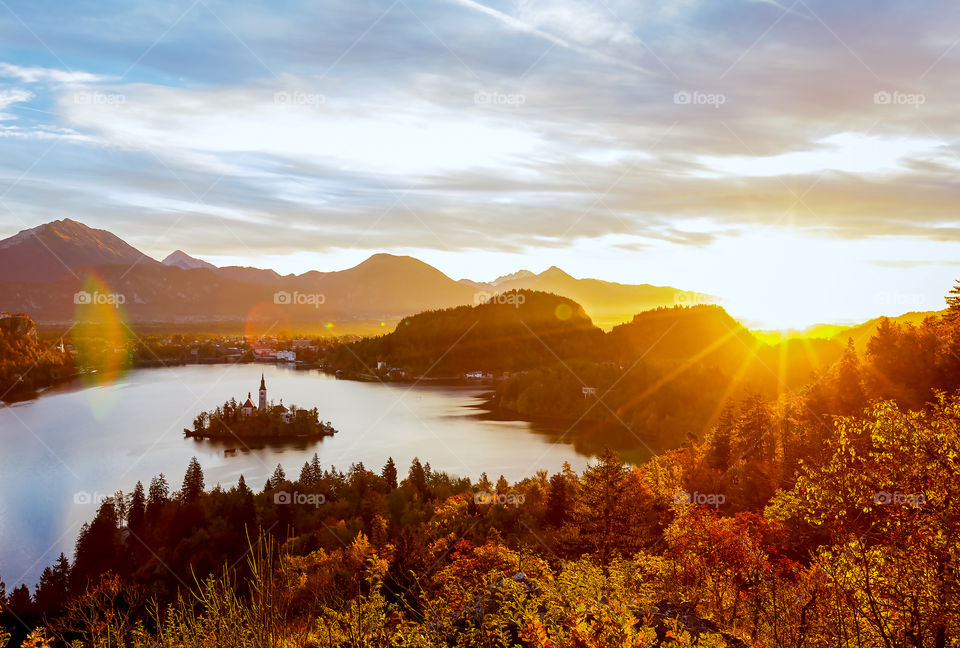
760 325
779 156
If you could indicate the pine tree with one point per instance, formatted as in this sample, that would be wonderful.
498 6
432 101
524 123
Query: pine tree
558 500
417 476
306 477
137 510
52 590
607 512
192 482
245 513
953 303
718 439
390 473
850 395
157 497
277 478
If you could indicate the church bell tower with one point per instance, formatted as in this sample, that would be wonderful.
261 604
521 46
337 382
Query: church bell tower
263 395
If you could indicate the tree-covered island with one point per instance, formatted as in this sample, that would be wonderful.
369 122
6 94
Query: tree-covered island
263 421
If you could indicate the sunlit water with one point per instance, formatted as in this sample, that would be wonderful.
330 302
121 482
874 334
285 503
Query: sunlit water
61 452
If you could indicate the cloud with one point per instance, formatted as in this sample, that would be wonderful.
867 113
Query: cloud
581 27
48 75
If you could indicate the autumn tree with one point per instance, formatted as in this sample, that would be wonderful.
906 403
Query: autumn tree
609 512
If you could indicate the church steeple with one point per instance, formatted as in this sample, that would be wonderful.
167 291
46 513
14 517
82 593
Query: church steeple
263 394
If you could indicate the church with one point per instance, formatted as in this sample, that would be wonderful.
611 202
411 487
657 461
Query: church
248 407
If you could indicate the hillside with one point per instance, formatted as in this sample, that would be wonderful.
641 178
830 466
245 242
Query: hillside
608 303
526 329
26 362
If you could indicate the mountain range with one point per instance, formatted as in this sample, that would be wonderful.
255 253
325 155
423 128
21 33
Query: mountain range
42 269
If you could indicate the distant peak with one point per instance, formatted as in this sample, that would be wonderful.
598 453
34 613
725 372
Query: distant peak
183 260
553 272
519 274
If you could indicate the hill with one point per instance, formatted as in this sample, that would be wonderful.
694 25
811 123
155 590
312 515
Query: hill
607 302
515 331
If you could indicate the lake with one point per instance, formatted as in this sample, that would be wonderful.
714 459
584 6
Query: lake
61 453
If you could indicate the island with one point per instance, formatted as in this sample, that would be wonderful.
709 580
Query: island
262 422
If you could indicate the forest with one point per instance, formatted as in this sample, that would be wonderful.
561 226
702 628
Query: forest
822 517
27 363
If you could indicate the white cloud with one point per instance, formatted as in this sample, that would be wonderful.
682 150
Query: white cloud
10 97
398 136
844 152
49 75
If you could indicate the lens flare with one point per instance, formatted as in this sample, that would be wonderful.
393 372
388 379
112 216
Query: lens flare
102 340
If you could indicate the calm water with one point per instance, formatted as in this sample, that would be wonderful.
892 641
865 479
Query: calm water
61 452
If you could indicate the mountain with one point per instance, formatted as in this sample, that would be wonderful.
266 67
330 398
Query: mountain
519 274
183 260
607 302
66 256
62 249
520 330
63 255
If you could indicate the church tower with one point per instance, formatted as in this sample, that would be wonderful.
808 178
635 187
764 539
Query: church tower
263 395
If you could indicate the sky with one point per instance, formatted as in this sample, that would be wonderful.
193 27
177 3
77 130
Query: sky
798 159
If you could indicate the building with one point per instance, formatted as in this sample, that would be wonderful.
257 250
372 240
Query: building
286 356
247 408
